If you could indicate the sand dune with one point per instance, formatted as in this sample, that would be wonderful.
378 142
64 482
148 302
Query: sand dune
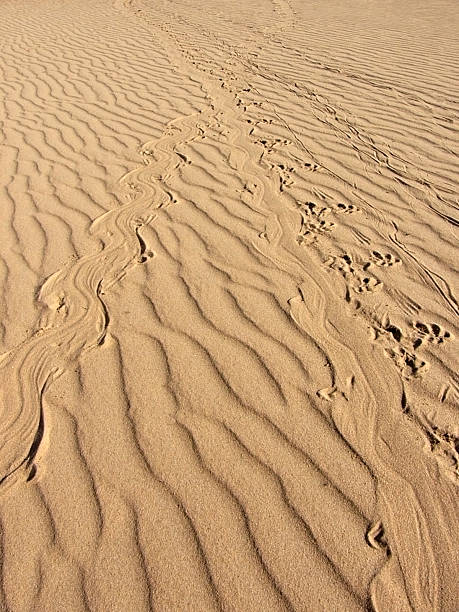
229 314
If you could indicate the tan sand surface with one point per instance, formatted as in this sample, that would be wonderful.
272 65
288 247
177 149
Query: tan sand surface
228 313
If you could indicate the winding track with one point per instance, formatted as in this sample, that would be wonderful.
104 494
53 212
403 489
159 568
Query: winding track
207 247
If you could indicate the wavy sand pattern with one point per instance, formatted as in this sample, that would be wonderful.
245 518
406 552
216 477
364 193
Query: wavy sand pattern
229 378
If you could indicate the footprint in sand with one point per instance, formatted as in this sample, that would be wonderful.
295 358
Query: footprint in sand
401 349
386 260
347 209
355 274
310 230
409 364
368 284
432 332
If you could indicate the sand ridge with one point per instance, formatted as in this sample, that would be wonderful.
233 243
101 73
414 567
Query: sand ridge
240 392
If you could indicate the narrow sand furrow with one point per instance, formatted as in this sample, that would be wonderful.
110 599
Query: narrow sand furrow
66 331
48 104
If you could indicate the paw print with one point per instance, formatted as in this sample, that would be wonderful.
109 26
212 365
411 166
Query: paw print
433 333
386 260
408 363
311 167
356 275
368 284
310 229
318 227
343 264
347 209
311 210
284 172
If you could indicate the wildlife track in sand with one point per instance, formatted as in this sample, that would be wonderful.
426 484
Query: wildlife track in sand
75 318
293 165
364 417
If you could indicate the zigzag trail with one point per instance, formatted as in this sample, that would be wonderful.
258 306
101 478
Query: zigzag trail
229 383
75 318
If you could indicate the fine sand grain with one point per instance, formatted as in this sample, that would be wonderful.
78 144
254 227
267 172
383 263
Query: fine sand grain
228 331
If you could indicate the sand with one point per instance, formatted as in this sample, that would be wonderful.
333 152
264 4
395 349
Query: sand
228 329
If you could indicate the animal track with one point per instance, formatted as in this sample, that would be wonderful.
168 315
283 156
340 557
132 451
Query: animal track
312 221
327 394
273 143
312 228
376 537
386 260
409 364
347 209
310 209
388 329
343 264
311 167
445 447
284 173
401 349
368 284
355 274
432 332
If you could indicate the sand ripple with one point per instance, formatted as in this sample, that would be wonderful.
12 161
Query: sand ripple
233 381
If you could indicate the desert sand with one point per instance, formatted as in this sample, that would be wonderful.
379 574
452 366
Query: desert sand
228 331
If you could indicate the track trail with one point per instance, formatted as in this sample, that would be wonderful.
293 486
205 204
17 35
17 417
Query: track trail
262 224
75 318
407 505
